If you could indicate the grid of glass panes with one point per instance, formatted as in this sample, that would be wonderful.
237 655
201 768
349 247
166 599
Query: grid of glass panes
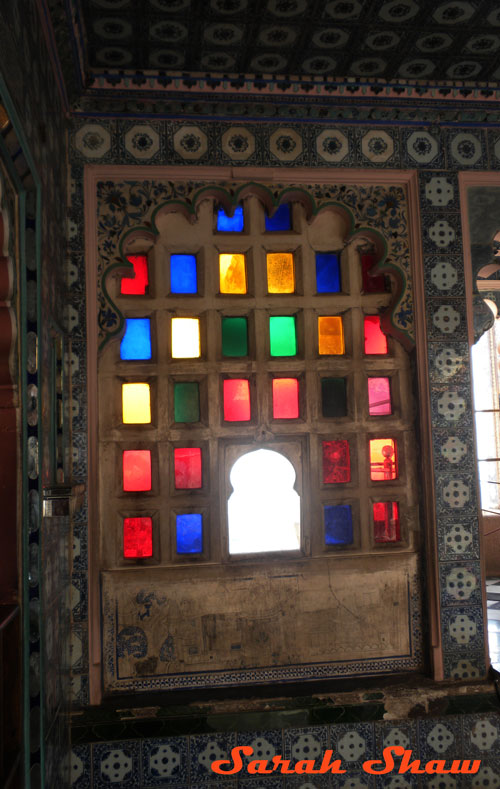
252 321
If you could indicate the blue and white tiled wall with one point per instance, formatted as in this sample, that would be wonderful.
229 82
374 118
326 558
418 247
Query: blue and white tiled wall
178 762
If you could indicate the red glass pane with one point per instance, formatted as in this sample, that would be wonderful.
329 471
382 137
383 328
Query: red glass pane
137 469
187 463
137 538
285 398
379 397
383 460
137 284
336 462
236 400
374 284
386 521
375 339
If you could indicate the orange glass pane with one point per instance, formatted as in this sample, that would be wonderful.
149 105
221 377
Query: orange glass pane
386 521
280 272
137 538
383 460
236 400
137 469
233 275
375 339
331 335
285 398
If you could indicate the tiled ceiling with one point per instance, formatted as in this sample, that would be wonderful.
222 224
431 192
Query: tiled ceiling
393 40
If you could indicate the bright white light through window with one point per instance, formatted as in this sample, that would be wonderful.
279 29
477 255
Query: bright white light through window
486 383
264 508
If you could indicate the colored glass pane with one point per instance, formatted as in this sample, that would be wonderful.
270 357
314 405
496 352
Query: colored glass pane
338 524
136 404
187 468
331 336
234 223
136 342
183 274
386 521
137 538
186 401
138 283
189 533
336 462
234 337
383 460
185 338
327 272
375 339
333 397
281 219
374 284
379 397
136 469
233 275
282 334
236 400
285 398
280 272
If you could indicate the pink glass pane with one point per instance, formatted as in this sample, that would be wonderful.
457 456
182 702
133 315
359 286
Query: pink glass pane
187 464
374 284
336 462
383 459
375 339
285 398
386 521
137 284
137 538
136 469
236 400
379 397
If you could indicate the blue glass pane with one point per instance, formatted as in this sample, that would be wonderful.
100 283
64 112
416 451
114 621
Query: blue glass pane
232 223
327 272
183 277
136 342
189 533
338 525
281 219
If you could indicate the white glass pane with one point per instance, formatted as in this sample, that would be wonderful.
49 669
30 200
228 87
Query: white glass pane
482 368
486 432
489 479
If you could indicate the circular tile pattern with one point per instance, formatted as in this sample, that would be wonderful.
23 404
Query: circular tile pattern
377 146
483 45
190 142
330 37
464 669
484 735
448 362
368 67
416 69
440 738
444 275
223 34
434 42
460 583
228 6
218 60
169 31
277 36
93 140
466 69
446 318
339 9
456 493
422 147
454 450
166 58
332 145
112 28
171 5
114 56
439 191
142 142
286 8
238 143
399 11
268 62
462 628
465 148
458 538
381 40
285 144
320 64
454 12
351 746
442 233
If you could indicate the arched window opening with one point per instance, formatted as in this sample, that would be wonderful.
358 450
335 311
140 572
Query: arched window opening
263 509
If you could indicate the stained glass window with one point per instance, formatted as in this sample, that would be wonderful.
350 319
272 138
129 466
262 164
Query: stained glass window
386 521
328 272
338 524
383 460
375 339
185 338
379 397
187 468
336 462
137 537
371 284
136 342
186 401
280 220
183 274
236 400
283 337
331 336
333 397
136 404
137 469
189 533
232 273
285 398
136 285
234 337
280 272
231 224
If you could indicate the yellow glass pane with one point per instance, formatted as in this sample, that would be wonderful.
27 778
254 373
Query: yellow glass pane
136 404
331 335
185 338
280 272
233 275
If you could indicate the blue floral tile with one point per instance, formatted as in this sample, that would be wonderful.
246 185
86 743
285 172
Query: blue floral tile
449 361
466 149
455 493
353 743
468 666
462 629
378 147
165 762
265 744
440 738
421 148
488 774
446 318
141 142
238 145
333 146
453 449
306 743
79 767
116 764
451 408
399 732
441 233
189 143
481 735
458 538
439 191
93 142
460 583
203 750
286 145
444 275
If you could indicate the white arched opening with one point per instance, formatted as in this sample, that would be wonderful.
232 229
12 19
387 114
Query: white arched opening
264 508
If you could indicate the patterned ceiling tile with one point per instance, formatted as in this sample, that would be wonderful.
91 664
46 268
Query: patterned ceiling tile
377 146
238 143
332 146
190 142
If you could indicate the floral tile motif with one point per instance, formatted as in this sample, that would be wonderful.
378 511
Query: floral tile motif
378 147
205 749
481 735
165 762
462 629
444 275
190 143
464 666
458 539
285 145
421 148
353 744
467 149
449 362
306 743
460 583
389 733
142 142
445 318
265 744
116 763
92 141
455 493
439 191
332 146
452 451
238 144
441 233
79 767
440 738
451 407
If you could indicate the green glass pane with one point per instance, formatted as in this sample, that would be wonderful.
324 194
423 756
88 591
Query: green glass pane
282 335
234 337
186 402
